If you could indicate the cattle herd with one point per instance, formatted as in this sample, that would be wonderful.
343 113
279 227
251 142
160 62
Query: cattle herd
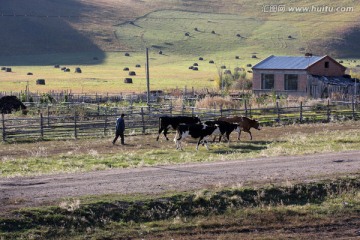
192 126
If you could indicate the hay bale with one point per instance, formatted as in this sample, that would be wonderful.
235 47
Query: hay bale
3 68
78 70
195 64
249 71
187 34
195 69
196 29
40 82
200 58
63 68
160 52
237 57
137 65
8 70
127 54
213 32
249 65
57 66
308 54
341 61
223 67
128 80
211 61
67 70
126 69
132 73
29 73
253 56
238 35
191 67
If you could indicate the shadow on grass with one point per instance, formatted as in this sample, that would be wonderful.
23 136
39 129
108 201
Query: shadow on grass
245 147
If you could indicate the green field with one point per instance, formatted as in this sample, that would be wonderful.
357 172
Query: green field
260 33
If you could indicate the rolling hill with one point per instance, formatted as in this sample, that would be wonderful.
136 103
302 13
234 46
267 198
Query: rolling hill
233 33
46 26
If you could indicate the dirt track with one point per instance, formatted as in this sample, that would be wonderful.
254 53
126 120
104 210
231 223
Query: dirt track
33 191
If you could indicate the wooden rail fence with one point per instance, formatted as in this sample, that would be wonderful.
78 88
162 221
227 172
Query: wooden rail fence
144 120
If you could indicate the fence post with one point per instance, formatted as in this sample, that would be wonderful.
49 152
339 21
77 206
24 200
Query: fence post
41 125
353 109
75 125
221 114
106 121
278 111
3 127
246 110
48 116
301 112
142 120
328 111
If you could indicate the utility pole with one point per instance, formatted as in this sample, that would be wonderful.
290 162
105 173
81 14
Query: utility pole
147 77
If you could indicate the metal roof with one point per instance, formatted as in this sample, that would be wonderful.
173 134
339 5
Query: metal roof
287 62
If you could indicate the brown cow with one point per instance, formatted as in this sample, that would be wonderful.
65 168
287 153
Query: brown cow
245 123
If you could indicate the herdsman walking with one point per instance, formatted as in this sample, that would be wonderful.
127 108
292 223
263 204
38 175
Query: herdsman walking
120 128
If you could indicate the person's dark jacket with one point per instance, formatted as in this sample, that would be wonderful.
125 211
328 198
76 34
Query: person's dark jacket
120 125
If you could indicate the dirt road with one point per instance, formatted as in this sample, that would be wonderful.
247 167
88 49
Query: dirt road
35 191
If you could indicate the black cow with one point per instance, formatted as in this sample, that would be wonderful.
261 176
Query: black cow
200 131
11 103
225 128
166 121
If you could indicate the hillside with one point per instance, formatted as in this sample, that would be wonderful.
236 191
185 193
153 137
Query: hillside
45 26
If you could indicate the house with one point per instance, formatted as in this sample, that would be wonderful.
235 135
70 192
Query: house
314 76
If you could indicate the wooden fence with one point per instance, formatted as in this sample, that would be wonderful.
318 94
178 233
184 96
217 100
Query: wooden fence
144 120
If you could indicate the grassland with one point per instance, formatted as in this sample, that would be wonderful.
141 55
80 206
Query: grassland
164 28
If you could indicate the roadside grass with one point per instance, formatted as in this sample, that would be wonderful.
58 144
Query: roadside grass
307 208
85 155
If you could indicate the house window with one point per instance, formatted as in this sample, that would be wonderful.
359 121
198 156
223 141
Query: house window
291 82
326 64
267 81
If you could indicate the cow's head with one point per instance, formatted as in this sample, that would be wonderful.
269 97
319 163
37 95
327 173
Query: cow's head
196 119
256 125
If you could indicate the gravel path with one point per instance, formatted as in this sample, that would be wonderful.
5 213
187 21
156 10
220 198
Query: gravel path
35 191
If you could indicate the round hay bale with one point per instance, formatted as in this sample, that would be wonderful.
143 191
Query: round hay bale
253 56
78 70
341 61
211 61
160 52
223 67
308 54
196 29
237 57
3 68
191 67
195 69
57 66
289 36
67 70
8 70
132 73
137 65
128 80
249 71
195 64
187 34
213 32
238 35
249 65
63 68
126 69
29 73
40 82
127 54
200 58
